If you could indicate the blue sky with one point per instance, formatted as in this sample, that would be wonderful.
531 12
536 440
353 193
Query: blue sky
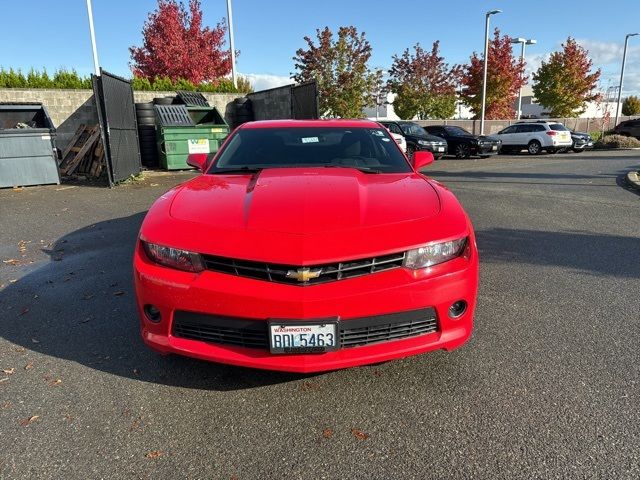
268 33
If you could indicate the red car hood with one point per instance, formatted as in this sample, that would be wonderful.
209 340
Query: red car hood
305 201
305 216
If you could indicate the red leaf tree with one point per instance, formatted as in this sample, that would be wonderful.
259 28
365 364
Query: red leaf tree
176 45
423 83
505 76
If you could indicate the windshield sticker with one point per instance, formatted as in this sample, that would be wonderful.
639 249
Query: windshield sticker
310 140
378 133
386 140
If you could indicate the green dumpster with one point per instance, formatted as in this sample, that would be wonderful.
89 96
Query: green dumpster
183 130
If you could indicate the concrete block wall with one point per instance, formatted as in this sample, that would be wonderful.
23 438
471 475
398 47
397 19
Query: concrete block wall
69 109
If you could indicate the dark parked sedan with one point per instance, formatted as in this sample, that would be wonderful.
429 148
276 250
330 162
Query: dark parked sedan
629 128
417 138
581 141
464 144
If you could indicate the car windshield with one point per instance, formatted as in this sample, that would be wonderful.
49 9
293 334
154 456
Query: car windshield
367 149
412 129
456 131
558 127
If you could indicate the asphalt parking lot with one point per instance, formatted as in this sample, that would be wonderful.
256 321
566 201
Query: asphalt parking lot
548 387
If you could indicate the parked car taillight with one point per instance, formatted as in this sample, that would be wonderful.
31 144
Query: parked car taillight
552 133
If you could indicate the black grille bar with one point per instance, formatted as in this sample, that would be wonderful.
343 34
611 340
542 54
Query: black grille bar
353 333
290 274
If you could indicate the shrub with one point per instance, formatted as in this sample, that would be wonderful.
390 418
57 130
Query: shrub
631 106
617 141
71 79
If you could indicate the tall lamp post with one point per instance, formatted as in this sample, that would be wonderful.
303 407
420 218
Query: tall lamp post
624 60
92 32
523 42
484 76
232 44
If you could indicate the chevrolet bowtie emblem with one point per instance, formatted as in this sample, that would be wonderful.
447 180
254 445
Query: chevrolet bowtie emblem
304 274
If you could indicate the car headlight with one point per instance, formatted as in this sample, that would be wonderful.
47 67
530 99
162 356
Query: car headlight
174 257
425 143
434 253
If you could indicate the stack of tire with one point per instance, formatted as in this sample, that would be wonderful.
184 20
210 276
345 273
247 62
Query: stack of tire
243 111
147 135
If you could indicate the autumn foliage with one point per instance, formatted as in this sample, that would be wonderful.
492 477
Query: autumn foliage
177 46
340 66
564 83
505 76
424 84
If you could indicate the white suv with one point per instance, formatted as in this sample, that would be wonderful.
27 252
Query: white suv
535 137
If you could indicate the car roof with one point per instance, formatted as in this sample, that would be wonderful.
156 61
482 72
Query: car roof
330 122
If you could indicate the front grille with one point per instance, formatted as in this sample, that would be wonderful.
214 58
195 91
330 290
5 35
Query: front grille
353 333
274 272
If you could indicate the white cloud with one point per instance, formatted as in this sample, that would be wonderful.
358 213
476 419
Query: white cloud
607 53
264 81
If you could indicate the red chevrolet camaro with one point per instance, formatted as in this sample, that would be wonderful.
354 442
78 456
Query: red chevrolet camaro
306 246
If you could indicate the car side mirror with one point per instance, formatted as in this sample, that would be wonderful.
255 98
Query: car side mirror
197 161
421 159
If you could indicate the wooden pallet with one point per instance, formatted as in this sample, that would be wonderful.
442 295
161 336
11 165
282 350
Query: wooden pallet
84 154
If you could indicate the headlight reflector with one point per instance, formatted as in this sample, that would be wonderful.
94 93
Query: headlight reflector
173 257
425 143
434 253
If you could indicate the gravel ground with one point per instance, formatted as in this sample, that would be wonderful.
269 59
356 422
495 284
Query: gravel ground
547 387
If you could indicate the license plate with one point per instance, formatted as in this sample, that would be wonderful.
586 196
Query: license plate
303 337
494 148
441 149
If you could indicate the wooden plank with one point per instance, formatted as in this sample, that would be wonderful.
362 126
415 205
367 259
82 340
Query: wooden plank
74 140
80 155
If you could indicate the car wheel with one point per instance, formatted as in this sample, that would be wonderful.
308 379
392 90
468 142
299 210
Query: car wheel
578 150
410 150
534 147
484 156
551 151
462 150
438 157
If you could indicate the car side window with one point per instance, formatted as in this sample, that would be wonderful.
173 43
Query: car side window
522 129
511 129
394 128
538 128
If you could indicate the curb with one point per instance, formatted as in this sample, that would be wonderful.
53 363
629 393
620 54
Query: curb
633 179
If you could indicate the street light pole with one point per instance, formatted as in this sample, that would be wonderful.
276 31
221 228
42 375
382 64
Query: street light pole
484 76
96 65
231 44
523 41
624 60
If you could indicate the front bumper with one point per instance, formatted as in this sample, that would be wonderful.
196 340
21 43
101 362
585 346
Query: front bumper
492 148
437 150
245 299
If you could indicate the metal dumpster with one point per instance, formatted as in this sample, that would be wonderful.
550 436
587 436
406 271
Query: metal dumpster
191 127
27 146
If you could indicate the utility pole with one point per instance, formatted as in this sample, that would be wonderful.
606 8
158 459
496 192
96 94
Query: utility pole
484 76
624 60
523 41
231 44
96 65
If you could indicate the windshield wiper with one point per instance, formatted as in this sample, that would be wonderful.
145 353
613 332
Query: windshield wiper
361 169
239 170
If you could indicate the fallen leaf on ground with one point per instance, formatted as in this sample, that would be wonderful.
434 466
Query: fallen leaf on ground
65 188
13 280
6 405
18 189
24 311
19 349
11 261
4 379
88 296
29 420
68 418
57 381
34 340
327 433
118 293
136 371
360 435
154 454
28 366
9 371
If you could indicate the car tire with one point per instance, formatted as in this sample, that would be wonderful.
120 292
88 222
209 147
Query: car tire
534 147
578 150
551 151
410 150
438 157
484 156
462 150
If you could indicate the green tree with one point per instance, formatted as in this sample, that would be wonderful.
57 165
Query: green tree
423 83
631 105
564 84
346 82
